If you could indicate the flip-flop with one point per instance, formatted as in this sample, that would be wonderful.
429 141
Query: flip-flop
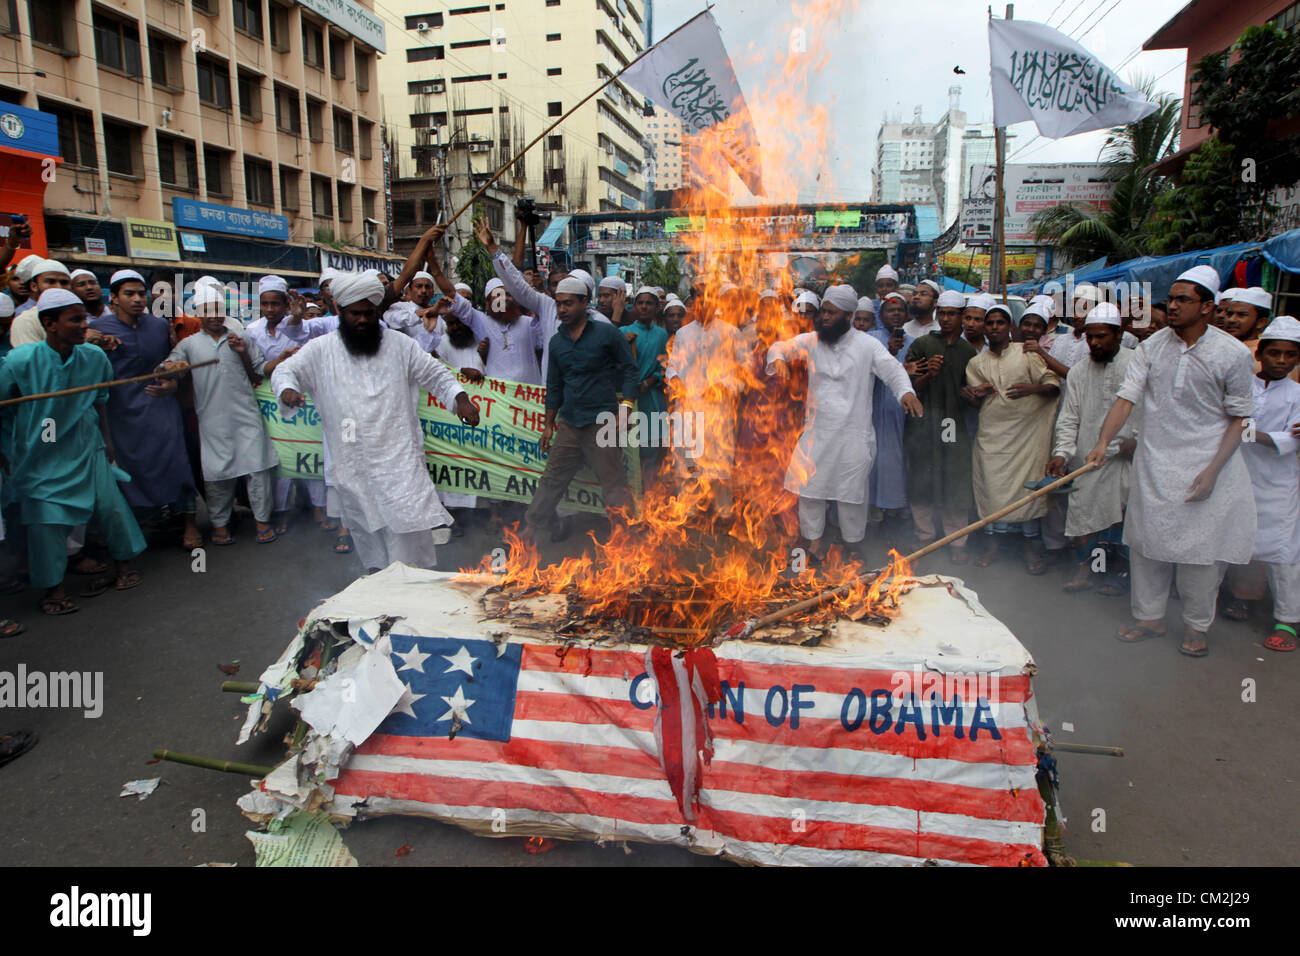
132 579
225 542
96 587
262 536
96 567
57 607
16 744
1276 641
1236 610
1184 649
10 628
1136 633
343 544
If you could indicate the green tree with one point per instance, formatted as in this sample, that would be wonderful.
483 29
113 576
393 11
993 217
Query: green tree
662 271
474 265
1210 206
1083 232
963 274
859 270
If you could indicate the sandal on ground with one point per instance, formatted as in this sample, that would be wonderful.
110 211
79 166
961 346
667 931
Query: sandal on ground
16 744
1136 633
267 536
127 580
1185 648
1236 610
1112 590
1283 638
10 628
1077 584
56 607
16 586
96 587
1035 565
87 567
329 524
282 525
343 544
223 538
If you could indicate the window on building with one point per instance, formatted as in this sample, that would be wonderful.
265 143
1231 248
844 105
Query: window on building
247 15
313 45
288 116
178 164
427 120
1288 19
431 20
555 142
289 188
250 96
403 212
477 78
208 7
322 197
338 57
117 44
467 44
122 148
428 211
216 170
361 63
552 3
315 120
368 199
279 17
554 71
214 81
552 37
554 109
53 24
365 138
164 61
9 18
425 87
76 135
257 182
495 212
419 53
460 11
343 132
345 202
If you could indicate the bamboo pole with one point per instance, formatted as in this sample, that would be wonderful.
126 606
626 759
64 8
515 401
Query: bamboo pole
816 601
113 384
211 763
240 686
583 102
1093 749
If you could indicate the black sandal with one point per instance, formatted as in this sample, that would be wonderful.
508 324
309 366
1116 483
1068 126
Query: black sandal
343 544
16 744
56 607
10 628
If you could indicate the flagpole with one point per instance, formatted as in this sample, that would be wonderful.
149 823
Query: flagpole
999 264
585 100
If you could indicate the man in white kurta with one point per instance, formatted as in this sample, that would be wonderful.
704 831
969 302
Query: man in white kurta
1275 475
1096 507
1191 511
832 461
364 381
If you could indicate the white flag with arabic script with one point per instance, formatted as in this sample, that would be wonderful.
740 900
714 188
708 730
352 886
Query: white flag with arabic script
1040 74
689 74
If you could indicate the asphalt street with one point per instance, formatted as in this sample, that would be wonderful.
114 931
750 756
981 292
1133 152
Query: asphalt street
1206 779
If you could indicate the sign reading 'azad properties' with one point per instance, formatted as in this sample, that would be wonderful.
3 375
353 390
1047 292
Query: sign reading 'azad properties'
358 21
192 214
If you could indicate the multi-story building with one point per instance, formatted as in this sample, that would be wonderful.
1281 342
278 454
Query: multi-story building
979 148
666 151
465 89
236 136
920 162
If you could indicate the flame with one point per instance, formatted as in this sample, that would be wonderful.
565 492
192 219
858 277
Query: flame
713 537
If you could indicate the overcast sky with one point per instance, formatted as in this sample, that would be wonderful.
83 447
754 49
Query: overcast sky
890 57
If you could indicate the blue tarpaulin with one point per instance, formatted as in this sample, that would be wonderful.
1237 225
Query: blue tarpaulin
1161 271
1284 251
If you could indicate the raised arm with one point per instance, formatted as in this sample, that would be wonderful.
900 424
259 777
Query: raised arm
508 272
413 263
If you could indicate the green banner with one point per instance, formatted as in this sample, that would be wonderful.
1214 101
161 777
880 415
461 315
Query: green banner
838 218
498 458
683 224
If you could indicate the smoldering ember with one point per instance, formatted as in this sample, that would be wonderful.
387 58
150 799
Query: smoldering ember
577 436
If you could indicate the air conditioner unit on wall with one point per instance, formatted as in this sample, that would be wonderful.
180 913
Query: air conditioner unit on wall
370 234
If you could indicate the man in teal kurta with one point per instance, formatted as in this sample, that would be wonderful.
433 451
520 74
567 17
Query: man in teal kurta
61 450
651 346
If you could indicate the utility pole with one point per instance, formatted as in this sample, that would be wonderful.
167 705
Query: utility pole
997 261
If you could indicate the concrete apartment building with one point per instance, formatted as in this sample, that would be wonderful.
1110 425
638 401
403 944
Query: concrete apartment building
921 162
232 136
464 87
666 163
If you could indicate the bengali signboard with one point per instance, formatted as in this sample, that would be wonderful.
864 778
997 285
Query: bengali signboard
499 458
192 214
151 239
1030 189
357 20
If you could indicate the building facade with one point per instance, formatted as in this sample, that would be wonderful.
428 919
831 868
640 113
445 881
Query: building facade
465 89
921 162
250 124
665 152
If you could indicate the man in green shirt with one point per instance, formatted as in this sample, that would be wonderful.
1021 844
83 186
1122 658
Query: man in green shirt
651 344
589 364
938 445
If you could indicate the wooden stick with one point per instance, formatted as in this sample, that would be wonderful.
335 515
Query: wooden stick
1088 749
211 763
583 102
825 596
113 384
240 686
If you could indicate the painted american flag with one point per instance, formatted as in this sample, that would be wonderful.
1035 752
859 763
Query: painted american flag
812 763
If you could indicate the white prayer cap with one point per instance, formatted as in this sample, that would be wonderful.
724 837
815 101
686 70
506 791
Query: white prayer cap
981 300
1088 292
1046 303
1204 276
422 275
123 275
613 282
842 297
645 290
1037 307
766 294
6 306
938 289
463 289
50 265
728 287
326 275
1259 297
1005 310
886 272
798 291
1104 313
492 285
350 289
83 272
656 290
586 278
1226 295
866 304
272 284
206 280
951 299
894 295
207 294
57 299
674 304
808 298
573 285
25 267
1284 327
